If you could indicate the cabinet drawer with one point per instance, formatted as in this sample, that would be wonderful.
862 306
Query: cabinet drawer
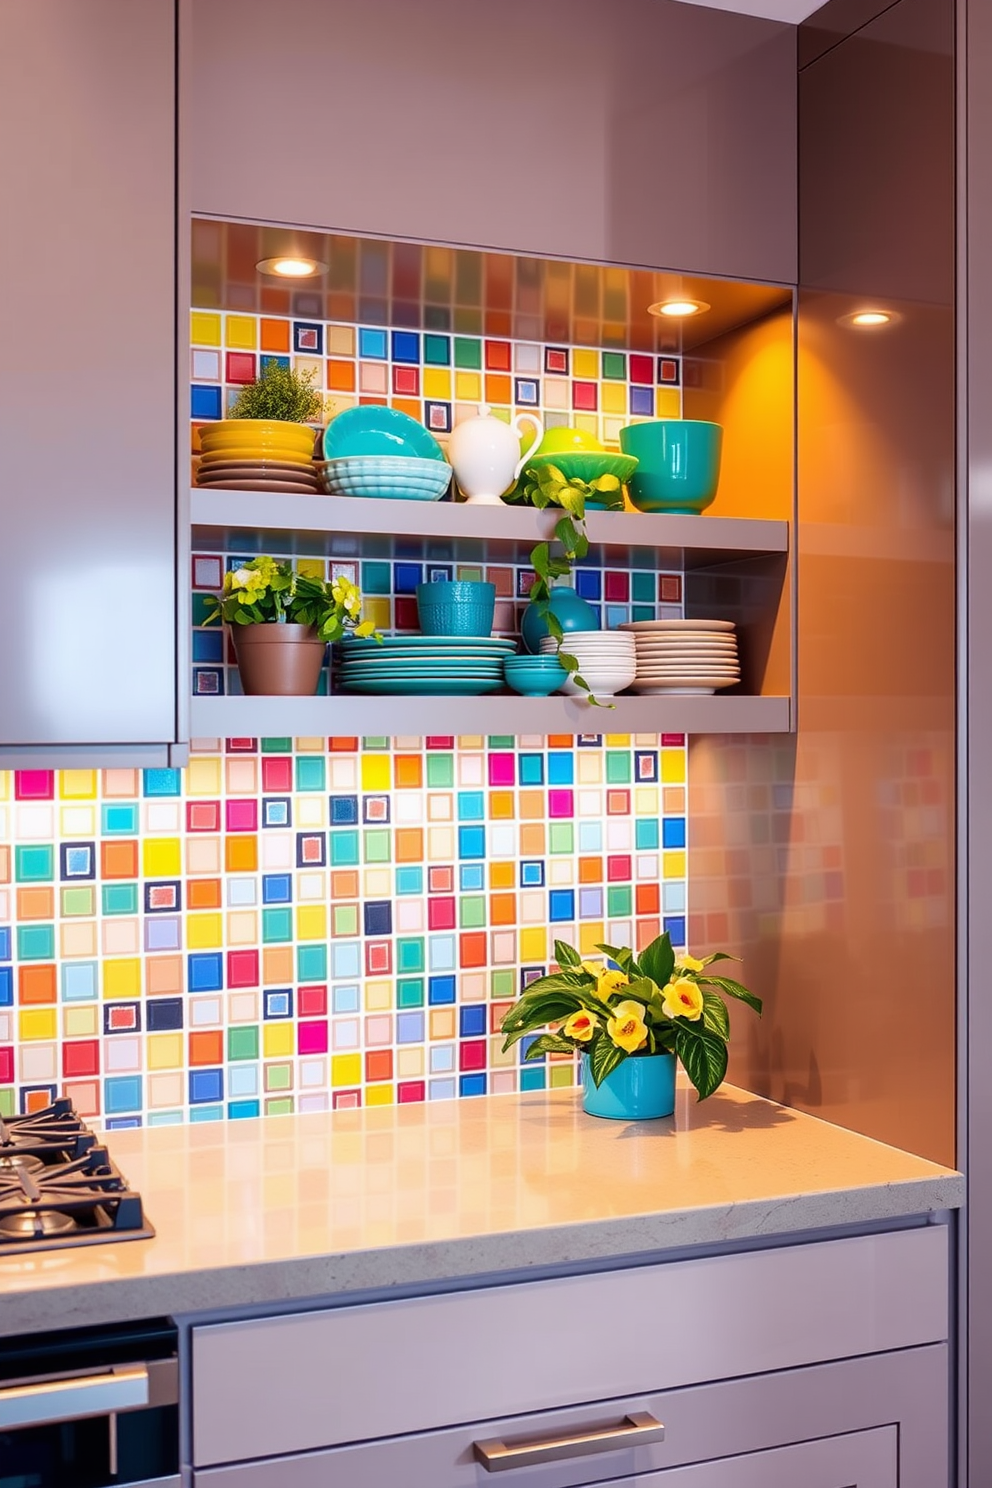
735 1419
356 1373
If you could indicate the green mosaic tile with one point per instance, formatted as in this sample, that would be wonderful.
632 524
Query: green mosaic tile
202 608
642 612
242 1043
410 953
562 1076
618 771
311 963
7 1099
375 743
503 983
619 900
34 864
642 587
117 899
440 771
81 900
279 1077
437 351
501 741
35 942
614 366
344 919
280 1106
311 774
561 837
377 578
472 911
410 992
378 845
468 354
276 746
277 924
344 849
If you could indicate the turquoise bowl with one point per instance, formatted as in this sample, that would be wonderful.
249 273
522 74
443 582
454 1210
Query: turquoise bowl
678 464
534 676
641 1088
371 430
456 607
570 610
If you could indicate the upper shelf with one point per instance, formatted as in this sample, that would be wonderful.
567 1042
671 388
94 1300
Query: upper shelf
341 527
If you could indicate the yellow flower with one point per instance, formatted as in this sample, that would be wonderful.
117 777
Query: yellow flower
580 1025
592 968
683 999
627 1027
609 984
366 628
689 963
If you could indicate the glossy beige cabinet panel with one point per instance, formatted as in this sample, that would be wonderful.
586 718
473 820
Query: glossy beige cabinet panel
828 860
632 131
87 412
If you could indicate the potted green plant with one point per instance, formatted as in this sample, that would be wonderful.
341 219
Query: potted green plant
544 486
631 1023
270 419
281 621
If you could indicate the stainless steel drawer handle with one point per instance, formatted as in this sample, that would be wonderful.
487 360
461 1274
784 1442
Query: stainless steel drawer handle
636 1430
71 1399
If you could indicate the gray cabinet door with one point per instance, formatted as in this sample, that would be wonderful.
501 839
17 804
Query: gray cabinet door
87 408
865 1459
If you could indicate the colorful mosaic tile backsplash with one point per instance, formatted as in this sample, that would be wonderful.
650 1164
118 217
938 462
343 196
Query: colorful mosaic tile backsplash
292 925
438 379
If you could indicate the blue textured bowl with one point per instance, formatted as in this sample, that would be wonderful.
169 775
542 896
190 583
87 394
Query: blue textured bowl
462 607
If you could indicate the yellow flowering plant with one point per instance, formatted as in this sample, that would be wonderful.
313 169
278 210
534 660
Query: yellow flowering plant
266 591
655 1003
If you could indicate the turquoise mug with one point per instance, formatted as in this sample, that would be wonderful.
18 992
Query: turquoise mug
678 464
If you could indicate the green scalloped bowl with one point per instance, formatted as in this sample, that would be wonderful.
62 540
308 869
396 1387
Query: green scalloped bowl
588 465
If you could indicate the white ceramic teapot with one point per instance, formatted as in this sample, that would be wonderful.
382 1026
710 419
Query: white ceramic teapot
485 455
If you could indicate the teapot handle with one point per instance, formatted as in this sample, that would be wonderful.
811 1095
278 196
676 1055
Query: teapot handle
533 419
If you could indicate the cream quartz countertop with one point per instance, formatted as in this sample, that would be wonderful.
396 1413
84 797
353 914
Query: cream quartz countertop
253 1213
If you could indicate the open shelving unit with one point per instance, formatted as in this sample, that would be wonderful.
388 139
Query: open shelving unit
715 552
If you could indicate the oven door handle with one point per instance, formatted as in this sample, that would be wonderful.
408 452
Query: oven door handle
53 1401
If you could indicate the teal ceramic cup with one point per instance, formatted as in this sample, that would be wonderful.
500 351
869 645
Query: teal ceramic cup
678 464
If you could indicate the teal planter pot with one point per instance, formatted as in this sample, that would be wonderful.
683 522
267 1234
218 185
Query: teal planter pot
641 1088
570 610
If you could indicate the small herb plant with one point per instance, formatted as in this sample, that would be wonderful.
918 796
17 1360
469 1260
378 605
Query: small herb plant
656 1003
280 393
547 486
265 591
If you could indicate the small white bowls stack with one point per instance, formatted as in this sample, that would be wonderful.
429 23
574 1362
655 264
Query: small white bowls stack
607 660
684 656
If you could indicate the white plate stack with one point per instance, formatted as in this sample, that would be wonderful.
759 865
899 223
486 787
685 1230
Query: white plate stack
684 656
607 660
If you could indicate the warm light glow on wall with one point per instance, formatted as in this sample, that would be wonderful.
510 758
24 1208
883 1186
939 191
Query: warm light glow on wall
869 319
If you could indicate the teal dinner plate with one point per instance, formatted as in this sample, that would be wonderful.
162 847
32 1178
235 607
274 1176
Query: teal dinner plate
372 430
427 643
413 686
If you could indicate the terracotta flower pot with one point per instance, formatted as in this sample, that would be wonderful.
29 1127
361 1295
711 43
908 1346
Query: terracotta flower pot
283 660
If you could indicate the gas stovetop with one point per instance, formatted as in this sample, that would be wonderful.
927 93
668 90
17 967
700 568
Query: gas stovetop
58 1186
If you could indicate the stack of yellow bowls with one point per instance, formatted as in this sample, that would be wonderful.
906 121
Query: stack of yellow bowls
257 455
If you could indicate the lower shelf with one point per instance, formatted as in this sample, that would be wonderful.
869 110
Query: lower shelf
363 716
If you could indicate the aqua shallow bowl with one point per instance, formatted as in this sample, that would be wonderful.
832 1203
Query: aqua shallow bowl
371 430
534 676
641 1088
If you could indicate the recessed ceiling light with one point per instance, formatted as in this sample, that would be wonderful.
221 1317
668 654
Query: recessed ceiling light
678 309
866 319
291 267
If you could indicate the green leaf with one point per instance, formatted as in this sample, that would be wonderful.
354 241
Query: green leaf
539 557
734 989
703 1055
604 1056
642 989
658 960
566 955
719 956
606 483
622 955
550 1043
715 1015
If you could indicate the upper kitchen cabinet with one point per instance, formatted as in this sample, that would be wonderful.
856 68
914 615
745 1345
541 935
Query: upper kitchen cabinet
87 418
619 131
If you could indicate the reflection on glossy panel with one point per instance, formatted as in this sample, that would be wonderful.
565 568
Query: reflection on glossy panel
829 860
